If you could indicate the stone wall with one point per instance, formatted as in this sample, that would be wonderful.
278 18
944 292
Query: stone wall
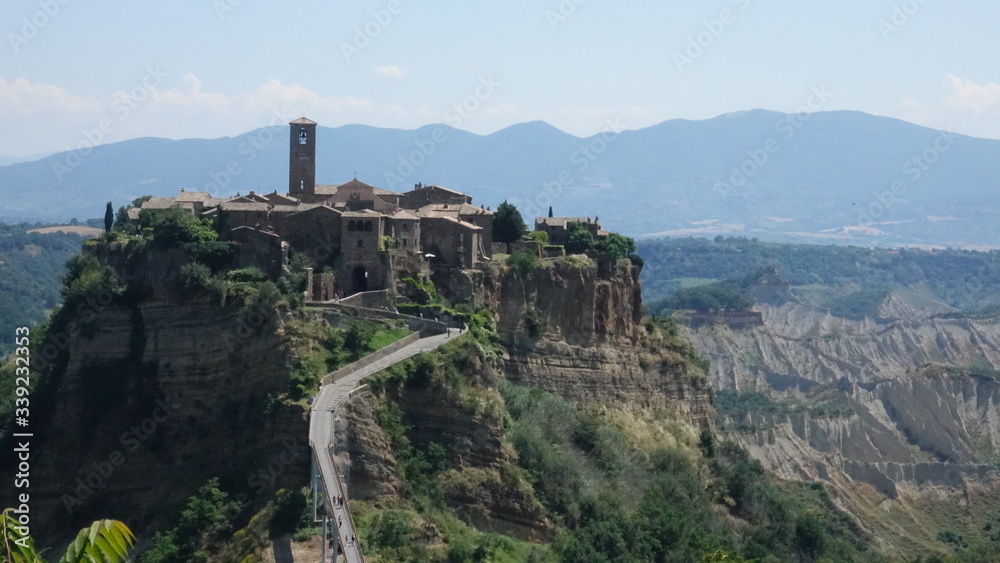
451 242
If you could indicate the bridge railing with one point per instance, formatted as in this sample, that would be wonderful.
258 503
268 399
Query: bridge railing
340 476
370 358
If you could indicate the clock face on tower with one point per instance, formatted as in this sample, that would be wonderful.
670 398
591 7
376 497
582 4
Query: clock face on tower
302 136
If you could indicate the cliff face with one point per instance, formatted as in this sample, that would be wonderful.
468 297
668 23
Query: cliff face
153 400
571 330
906 425
576 331
478 483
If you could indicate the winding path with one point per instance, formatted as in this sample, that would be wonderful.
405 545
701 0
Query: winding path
328 400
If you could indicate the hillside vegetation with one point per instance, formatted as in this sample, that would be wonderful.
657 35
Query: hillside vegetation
31 271
845 278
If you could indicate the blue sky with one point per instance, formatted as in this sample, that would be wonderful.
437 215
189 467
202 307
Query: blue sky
211 68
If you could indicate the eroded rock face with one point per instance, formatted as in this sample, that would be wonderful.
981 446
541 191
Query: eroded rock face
478 482
577 332
364 455
914 424
146 392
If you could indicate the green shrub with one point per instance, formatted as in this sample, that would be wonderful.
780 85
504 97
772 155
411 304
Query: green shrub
216 254
170 228
203 523
579 239
196 275
523 262
508 226
574 262
534 322
250 275
358 338
616 245
541 237
87 277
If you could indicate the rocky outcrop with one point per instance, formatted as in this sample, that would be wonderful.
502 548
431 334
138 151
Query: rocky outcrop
142 392
575 330
908 421
364 454
478 483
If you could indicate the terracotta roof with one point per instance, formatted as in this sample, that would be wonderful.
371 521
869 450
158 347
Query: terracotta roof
441 188
239 205
159 203
559 221
364 213
326 189
403 214
233 205
440 209
133 213
463 224
192 196
303 121
250 198
280 198
249 229
313 207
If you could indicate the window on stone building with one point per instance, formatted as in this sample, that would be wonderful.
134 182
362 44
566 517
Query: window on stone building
361 243
351 226
404 243
368 225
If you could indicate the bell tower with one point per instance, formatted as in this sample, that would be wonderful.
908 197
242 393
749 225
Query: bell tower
302 160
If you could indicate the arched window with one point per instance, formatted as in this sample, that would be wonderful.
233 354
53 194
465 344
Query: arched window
368 225
361 243
350 226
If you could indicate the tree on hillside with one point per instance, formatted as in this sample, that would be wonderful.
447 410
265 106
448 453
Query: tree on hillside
617 245
579 239
550 211
508 226
171 227
122 222
109 218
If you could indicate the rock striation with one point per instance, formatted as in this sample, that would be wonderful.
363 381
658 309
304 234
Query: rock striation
152 399
917 399
576 330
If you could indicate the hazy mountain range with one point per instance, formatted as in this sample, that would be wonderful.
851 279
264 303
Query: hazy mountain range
842 177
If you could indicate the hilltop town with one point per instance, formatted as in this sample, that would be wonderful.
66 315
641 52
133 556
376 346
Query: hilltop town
356 236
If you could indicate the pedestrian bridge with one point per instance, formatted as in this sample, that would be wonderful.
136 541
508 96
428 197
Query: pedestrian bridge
327 480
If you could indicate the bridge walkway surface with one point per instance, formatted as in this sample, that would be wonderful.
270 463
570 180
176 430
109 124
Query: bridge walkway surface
330 397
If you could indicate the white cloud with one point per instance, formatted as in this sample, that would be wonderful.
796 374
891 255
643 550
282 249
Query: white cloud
966 94
392 72
964 106
47 118
20 98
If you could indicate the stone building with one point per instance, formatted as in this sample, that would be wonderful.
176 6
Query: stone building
354 230
558 227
